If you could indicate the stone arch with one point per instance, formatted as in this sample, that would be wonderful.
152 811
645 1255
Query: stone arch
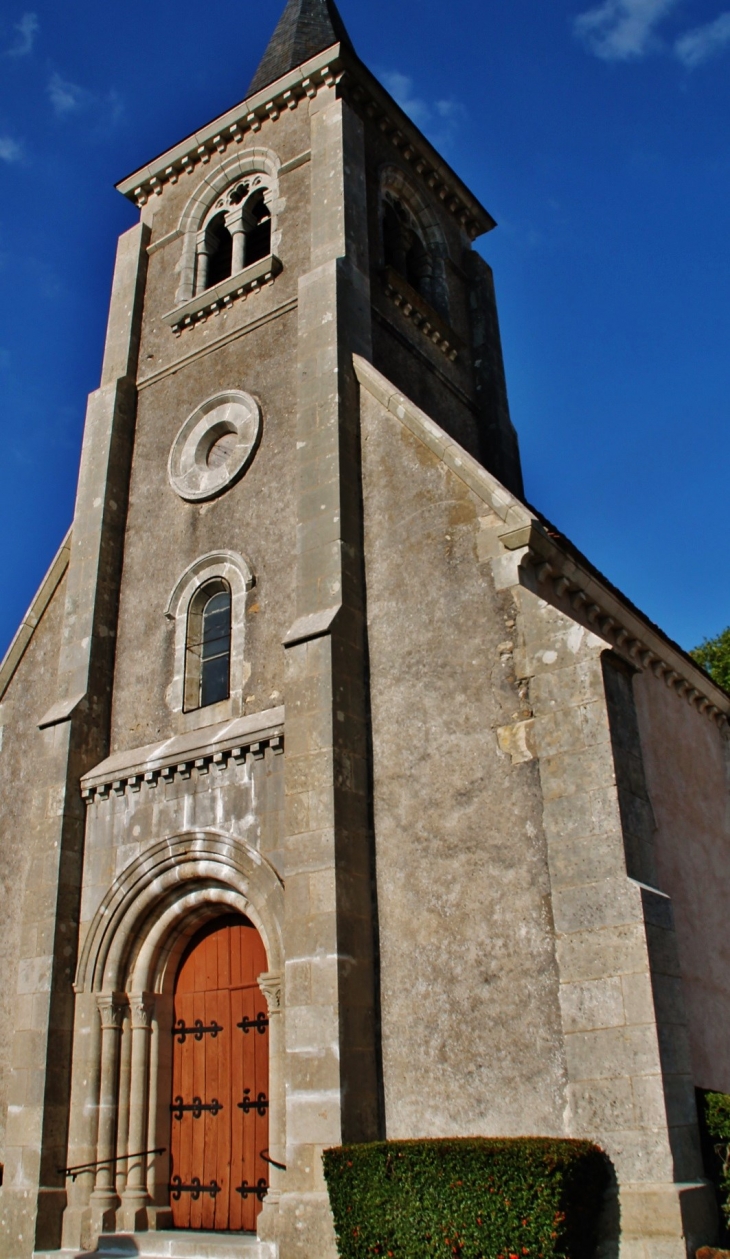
211 866
236 571
397 186
256 161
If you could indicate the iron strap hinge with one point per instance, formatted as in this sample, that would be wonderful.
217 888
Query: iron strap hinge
196 1107
197 1030
260 1189
259 1024
195 1189
260 1104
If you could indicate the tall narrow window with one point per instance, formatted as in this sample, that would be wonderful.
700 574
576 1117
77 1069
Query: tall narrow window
220 246
208 654
258 234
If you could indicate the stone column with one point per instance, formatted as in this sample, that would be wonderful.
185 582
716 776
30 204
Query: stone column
270 985
104 1200
202 255
237 228
136 1199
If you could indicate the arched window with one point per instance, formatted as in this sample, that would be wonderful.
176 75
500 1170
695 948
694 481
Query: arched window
208 647
404 249
236 234
219 244
258 234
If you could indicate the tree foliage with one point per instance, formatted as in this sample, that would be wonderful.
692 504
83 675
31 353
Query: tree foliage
717 1110
714 657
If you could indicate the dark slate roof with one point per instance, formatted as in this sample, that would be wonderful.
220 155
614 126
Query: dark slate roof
305 28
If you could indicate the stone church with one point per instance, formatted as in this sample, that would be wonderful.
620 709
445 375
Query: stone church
341 797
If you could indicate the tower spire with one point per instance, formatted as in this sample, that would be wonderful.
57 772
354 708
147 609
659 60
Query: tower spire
305 28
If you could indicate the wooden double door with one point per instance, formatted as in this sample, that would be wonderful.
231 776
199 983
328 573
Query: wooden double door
220 1080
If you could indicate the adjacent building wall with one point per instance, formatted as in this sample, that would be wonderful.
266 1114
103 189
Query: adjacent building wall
686 764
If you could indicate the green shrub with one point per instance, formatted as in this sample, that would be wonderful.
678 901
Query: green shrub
475 1198
717 1113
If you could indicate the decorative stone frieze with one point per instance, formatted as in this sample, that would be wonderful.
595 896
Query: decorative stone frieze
333 67
215 747
420 312
222 296
644 646
232 128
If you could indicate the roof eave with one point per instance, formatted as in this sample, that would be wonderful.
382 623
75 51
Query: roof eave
330 66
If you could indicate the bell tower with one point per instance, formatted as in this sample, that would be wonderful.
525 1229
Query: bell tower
214 669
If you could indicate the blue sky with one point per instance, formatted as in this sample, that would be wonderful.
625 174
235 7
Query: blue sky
595 133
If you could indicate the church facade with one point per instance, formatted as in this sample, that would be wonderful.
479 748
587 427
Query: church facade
341 797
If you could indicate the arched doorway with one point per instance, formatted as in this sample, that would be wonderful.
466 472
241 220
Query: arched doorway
220 1079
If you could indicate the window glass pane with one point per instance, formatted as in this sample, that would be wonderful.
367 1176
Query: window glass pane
216 649
214 680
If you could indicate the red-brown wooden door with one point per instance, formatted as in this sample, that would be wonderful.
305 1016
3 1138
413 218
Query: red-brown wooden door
220 1079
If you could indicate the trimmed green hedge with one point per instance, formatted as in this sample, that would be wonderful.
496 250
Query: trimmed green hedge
717 1114
474 1198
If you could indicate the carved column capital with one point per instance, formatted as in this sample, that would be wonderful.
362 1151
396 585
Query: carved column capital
112 1008
142 1007
271 987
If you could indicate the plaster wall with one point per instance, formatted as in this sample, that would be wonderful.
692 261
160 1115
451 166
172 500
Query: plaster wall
686 766
472 1040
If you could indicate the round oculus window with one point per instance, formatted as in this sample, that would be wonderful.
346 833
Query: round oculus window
215 445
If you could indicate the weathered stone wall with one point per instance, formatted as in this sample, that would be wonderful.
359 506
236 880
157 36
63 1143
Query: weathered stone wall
686 764
254 517
472 1041
247 347
28 778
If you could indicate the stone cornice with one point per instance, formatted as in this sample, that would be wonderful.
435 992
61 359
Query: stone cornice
245 738
26 630
556 566
230 128
333 66
609 616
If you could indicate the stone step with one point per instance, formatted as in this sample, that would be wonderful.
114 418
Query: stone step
175 1244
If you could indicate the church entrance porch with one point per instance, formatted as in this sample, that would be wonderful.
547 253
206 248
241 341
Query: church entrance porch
177 1097
220 1081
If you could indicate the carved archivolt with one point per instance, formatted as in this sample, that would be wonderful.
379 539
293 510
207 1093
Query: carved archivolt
140 929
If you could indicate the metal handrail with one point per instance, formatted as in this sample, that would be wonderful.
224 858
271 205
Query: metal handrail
73 1172
264 1154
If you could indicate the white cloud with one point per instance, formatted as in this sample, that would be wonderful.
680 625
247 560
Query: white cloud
438 119
619 30
10 150
67 98
401 89
26 29
704 41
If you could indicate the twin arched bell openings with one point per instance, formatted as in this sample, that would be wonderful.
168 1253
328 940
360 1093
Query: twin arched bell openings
236 233
208 611
230 222
413 243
